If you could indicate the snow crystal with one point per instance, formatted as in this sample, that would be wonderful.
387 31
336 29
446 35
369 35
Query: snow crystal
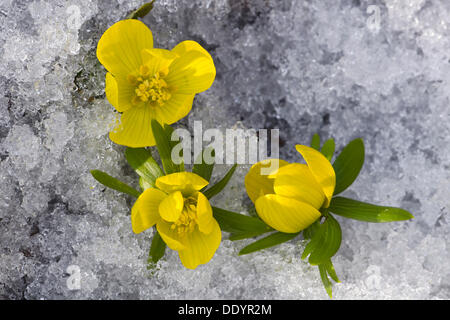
373 69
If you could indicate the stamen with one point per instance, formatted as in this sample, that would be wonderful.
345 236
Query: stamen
188 219
151 89
144 70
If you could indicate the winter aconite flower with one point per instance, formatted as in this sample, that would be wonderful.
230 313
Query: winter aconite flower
145 83
183 217
290 198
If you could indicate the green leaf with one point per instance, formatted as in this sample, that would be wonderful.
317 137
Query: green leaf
142 162
157 248
246 234
311 230
144 184
238 223
330 270
315 142
267 242
362 211
142 11
169 130
203 169
215 189
348 165
164 146
325 242
326 269
308 233
328 149
326 282
114 183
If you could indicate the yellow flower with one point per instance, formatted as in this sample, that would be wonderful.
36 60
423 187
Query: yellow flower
145 83
183 217
289 199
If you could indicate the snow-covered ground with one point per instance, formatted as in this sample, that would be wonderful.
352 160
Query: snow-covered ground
375 69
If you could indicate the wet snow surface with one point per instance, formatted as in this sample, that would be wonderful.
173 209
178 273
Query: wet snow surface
300 66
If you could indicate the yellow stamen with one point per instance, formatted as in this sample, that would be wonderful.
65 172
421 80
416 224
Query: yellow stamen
188 219
151 89
144 70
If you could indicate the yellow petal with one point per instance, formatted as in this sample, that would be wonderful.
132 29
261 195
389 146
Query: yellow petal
134 129
185 46
321 169
172 206
200 247
257 184
170 236
111 90
205 218
193 71
186 182
119 48
144 213
158 60
174 109
285 214
125 94
296 181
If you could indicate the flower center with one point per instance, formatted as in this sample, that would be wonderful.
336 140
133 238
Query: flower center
150 88
188 218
